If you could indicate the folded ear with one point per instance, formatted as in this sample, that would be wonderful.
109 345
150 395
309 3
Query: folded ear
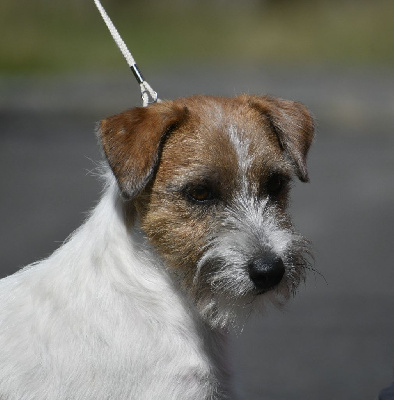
132 142
293 125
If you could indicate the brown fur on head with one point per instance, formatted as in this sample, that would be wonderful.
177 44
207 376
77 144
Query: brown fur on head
189 163
132 141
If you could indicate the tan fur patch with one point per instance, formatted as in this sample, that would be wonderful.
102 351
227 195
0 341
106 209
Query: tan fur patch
132 142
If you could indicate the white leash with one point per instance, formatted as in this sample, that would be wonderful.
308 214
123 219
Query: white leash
148 95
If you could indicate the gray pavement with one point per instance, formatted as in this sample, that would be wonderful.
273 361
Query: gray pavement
335 340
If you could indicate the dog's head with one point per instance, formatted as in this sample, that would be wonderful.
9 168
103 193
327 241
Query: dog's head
209 178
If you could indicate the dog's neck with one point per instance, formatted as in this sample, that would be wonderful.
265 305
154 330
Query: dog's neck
124 258
113 247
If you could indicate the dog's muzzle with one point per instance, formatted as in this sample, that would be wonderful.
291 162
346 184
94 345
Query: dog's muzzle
266 272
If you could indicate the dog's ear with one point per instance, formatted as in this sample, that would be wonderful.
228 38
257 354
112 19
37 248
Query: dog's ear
132 142
293 126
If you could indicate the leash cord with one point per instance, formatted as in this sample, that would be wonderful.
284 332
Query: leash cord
148 95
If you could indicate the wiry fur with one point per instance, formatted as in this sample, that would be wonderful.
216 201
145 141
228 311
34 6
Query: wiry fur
248 230
136 302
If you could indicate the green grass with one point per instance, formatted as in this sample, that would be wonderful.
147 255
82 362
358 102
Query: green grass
53 36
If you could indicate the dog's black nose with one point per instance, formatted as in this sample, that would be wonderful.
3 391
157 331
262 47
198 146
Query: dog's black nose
266 272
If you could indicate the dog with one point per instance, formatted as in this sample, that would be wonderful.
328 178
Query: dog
190 236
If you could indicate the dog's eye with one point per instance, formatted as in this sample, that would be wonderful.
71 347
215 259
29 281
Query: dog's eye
200 194
275 184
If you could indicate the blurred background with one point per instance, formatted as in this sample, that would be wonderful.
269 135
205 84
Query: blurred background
60 73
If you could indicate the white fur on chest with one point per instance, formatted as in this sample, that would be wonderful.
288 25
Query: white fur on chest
102 319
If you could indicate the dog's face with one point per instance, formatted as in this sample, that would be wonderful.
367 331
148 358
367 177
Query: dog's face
209 178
